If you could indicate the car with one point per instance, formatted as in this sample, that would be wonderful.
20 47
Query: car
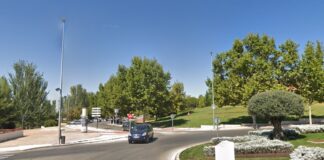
75 122
126 125
141 133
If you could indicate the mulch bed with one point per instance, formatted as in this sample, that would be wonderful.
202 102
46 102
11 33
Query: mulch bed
316 141
283 154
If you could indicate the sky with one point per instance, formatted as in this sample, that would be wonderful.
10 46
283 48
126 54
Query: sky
180 34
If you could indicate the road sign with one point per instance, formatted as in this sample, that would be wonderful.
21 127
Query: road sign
130 116
213 106
217 120
172 116
96 112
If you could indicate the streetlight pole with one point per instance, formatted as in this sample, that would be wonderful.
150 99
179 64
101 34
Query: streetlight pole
213 97
61 82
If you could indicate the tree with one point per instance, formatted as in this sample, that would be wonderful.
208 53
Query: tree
201 101
275 106
147 86
191 103
28 93
178 97
311 75
77 100
7 113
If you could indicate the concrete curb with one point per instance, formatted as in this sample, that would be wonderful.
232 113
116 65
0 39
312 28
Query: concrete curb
25 148
176 156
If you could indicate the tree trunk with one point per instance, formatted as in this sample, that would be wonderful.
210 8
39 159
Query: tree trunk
310 114
277 129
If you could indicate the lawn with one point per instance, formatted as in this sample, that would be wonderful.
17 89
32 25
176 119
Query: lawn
228 115
196 153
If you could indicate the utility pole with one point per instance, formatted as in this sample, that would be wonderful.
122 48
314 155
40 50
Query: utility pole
213 97
61 82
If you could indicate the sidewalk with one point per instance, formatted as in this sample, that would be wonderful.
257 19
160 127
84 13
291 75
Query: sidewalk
44 137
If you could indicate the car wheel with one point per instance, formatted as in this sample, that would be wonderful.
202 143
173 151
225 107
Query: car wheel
130 142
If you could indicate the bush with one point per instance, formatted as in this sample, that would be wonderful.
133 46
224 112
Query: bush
251 144
289 133
309 128
307 153
236 139
50 122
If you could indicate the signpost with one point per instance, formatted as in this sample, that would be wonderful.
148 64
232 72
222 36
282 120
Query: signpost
96 113
172 116
217 122
116 110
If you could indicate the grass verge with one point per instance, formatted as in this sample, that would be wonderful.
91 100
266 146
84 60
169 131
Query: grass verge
228 115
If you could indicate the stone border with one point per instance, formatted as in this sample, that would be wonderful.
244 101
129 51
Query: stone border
176 156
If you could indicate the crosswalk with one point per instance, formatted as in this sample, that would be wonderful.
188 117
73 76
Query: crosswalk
5 156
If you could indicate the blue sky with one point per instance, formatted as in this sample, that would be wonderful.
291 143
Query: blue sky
179 34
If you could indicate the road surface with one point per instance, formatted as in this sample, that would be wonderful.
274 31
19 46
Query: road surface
161 148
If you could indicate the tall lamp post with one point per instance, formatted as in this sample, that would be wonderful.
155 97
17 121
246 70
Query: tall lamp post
213 97
61 84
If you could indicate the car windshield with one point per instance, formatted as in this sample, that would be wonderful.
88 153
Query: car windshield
139 128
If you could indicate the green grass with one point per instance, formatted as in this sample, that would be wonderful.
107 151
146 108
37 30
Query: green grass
196 152
304 140
228 115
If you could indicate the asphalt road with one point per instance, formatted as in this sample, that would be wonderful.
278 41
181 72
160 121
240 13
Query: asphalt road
160 149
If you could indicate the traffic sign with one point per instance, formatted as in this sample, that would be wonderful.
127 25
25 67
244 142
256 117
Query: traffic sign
217 120
96 112
130 116
213 106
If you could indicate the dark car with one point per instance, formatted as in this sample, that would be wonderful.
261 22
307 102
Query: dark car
141 133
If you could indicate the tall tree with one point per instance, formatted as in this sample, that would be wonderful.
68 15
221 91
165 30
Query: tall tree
254 65
148 86
29 93
311 75
77 100
7 113
178 97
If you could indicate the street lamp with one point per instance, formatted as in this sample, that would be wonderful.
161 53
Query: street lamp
213 102
61 82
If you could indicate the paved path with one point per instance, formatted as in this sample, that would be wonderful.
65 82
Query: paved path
162 148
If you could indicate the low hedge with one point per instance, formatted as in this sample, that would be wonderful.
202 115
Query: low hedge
307 153
251 145
309 128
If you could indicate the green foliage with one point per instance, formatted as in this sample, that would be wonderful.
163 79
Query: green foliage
28 94
254 65
7 113
79 98
178 97
191 103
50 123
311 73
141 88
201 101
275 106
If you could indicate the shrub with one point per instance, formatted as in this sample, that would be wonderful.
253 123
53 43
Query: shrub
236 139
251 144
289 133
309 128
50 122
275 106
307 153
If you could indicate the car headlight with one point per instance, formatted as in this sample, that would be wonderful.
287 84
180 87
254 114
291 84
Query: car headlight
144 134
129 134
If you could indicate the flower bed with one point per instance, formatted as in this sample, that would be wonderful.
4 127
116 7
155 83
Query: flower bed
251 145
289 133
307 153
309 128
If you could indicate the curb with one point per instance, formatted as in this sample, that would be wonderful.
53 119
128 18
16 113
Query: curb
176 156
61 145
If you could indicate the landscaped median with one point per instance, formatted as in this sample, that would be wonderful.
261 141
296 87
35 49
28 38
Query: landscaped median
306 143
